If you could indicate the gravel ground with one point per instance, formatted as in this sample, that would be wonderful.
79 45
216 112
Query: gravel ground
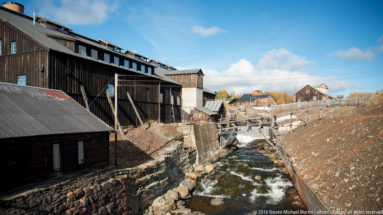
341 157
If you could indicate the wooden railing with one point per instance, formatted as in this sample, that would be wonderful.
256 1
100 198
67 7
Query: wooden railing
312 104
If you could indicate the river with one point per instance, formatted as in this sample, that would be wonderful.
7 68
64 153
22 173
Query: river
236 180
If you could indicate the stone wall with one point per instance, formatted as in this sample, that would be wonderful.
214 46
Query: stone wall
107 191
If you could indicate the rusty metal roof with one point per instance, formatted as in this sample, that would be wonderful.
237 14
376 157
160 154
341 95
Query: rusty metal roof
32 111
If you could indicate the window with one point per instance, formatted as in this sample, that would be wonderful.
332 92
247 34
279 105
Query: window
94 54
171 99
134 65
22 80
162 98
126 63
116 60
82 50
1 47
178 100
150 70
56 157
13 47
111 90
307 91
143 68
106 57
80 146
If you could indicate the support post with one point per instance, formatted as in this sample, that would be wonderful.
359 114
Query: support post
115 117
321 114
159 102
307 118
291 121
84 97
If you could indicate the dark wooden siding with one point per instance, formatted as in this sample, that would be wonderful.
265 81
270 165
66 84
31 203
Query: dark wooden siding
70 44
208 96
23 160
30 57
95 76
308 93
189 80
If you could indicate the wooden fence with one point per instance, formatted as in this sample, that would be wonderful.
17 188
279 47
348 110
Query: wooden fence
312 104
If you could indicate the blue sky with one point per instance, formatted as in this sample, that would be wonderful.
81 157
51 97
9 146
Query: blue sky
242 45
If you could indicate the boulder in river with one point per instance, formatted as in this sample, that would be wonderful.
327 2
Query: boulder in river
183 191
216 201
209 168
258 177
199 168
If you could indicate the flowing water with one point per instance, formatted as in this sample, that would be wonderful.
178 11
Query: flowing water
234 181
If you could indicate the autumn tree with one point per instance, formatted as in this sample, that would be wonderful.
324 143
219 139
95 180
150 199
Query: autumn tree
281 98
222 94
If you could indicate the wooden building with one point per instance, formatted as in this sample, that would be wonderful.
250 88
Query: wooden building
211 111
208 95
254 101
309 93
44 131
40 52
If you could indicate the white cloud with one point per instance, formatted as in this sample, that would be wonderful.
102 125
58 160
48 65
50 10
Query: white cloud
77 12
207 31
277 70
354 54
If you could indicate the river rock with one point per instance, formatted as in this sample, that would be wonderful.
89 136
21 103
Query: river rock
181 211
209 168
161 205
171 194
199 168
188 184
183 191
193 175
216 201
223 152
258 177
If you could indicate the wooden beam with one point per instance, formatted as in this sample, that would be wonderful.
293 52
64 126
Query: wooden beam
134 108
111 107
115 117
159 102
84 97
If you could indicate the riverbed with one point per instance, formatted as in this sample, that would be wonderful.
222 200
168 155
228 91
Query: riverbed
249 183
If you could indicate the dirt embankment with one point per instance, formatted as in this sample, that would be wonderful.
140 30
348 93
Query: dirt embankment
341 157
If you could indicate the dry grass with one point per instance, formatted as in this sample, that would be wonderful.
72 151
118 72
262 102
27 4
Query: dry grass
358 95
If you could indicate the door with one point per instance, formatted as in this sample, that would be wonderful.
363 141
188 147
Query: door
56 157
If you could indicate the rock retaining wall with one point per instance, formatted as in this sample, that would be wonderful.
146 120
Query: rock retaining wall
108 191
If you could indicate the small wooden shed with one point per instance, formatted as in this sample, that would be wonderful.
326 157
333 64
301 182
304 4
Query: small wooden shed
44 132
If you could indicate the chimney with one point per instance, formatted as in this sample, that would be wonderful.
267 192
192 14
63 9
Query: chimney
14 6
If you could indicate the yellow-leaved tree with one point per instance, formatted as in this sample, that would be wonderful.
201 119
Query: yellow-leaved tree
222 94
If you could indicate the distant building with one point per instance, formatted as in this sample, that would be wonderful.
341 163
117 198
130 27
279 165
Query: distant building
211 111
309 93
255 101
44 131
208 95
257 92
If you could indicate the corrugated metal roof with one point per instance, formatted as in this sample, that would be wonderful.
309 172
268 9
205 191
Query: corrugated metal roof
207 111
205 90
40 34
32 111
213 105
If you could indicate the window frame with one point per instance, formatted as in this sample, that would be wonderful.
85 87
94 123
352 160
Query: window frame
144 68
111 90
106 54
13 48
134 66
92 51
82 50
19 79
150 70
127 61
118 60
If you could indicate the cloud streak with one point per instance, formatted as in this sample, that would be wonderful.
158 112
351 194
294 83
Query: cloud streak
277 70
78 12
205 32
355 54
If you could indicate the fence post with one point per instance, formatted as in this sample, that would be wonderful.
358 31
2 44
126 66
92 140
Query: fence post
321 114
307 118
291 121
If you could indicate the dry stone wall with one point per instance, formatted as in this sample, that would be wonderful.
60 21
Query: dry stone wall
108 191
